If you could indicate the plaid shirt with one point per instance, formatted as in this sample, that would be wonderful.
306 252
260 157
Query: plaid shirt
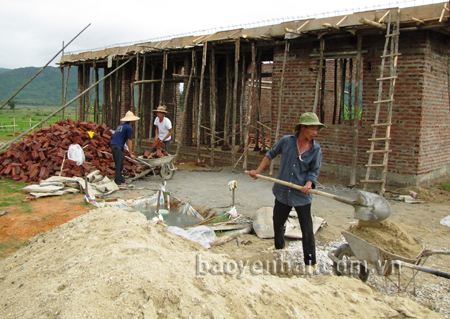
295 171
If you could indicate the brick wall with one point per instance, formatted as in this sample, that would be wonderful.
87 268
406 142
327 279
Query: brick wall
420 130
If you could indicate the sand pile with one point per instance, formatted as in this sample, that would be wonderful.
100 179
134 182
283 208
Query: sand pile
113 264
391 238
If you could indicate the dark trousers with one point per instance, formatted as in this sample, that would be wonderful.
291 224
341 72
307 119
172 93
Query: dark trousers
281 214
118 154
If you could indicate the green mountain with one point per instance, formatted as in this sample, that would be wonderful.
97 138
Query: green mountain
45 89
3 70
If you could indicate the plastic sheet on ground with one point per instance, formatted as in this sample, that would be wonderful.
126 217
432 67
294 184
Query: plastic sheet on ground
445 221
203 235
97 185
263 224
146 202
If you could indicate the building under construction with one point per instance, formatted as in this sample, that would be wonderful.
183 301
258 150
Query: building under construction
378 79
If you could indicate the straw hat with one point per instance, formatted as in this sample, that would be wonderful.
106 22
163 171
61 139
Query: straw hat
309 118
161 108
129 116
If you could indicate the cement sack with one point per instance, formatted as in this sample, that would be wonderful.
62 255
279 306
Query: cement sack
263 222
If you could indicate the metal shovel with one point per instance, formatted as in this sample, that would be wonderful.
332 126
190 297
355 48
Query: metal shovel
369 207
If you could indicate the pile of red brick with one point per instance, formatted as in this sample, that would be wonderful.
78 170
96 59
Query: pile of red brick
43 153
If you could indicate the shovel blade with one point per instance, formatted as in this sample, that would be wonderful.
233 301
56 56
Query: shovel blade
371 207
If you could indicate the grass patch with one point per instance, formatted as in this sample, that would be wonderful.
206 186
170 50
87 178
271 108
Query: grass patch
222 218
25 117
7 247
446 187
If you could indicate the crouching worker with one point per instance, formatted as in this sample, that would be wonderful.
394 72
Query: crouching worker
163 130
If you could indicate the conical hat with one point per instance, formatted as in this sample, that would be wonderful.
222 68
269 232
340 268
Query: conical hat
129 116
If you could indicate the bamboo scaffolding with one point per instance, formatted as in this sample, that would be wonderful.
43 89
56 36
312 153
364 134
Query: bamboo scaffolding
226 125
163 77
152 103
96 96
4 146
37 73
213 103
280 101
200 99
319 75
250 106
357 107
343 67
243 104
235 89
185 101
258 100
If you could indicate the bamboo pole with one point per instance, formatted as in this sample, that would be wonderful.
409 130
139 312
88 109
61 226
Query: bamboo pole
343 66
350 92
4 146
250 106
319 75
280 98
163 77
62 85
200 99
97 96
258 99
235 89
335 91
226 125
152 104
141 106
357 107
65 89
213 103
243 104
37 73
185 102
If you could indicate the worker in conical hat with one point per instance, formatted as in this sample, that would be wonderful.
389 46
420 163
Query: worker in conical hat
122 136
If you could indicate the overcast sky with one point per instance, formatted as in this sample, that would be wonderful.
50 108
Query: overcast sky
33 31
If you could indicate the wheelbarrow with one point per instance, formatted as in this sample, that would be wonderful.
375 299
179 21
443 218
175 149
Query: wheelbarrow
354 259
165 165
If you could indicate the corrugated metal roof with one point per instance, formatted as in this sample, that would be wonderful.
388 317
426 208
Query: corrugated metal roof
419 15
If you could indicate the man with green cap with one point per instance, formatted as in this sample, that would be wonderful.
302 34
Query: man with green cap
300 164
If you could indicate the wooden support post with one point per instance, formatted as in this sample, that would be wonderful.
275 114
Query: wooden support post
200 99
350 92
335 91
280 97
163 77
152 103
213 103
258 99
96 96
226 125
186 98
343 66
357 107
243 104
62 86
141 108
250 106
319 75
235 89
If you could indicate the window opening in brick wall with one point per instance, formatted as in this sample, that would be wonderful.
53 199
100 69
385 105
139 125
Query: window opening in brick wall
337 96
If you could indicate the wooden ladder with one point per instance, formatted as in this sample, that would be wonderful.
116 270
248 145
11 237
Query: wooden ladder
384 106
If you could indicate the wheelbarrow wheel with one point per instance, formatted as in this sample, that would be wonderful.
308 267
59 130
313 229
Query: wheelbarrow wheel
166 172
348 264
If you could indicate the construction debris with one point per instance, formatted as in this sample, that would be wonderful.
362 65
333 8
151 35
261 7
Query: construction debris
44 153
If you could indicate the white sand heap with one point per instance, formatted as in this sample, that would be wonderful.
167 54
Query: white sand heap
113 264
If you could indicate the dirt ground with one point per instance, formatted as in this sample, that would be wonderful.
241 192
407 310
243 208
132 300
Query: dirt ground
207 190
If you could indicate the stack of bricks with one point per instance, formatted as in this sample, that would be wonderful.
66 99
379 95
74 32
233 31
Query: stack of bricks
44 153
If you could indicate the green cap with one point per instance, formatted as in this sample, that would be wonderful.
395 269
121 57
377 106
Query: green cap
309 118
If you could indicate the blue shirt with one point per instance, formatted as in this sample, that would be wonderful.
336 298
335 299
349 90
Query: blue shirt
295 171
123 133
